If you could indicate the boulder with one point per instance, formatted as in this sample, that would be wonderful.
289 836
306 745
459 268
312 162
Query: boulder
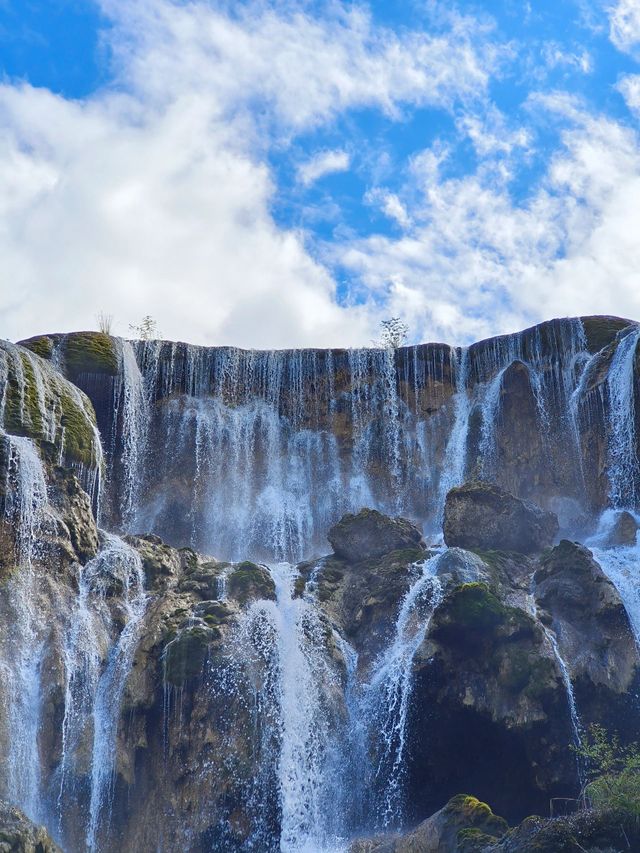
623 532
370 534
462 826
484 516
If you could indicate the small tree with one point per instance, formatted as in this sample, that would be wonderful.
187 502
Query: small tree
105 322
393 334
613 772
146 329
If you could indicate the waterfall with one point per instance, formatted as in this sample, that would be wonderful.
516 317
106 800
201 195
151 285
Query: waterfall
289 638
98 657
23 647
132 416
455 457
576 725
623 454
621 564
246 437
387 692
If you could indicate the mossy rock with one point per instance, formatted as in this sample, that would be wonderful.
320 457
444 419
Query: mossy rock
476 814
214 613
473 840
249 581
474 617
41 345
90 352
40 404
185 656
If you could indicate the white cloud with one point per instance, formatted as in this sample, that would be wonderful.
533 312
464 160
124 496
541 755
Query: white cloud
390 205
323 163
556 55
153 196
629 88
477 263
624 25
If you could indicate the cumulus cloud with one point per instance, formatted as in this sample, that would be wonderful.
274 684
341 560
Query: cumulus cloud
477 262
153 196
324 163
624 25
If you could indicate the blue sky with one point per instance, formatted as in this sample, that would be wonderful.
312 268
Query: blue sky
288 173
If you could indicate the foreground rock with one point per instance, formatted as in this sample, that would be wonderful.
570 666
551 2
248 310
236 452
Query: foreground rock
19 835
484 516
466 825
586 614
462 826
370 534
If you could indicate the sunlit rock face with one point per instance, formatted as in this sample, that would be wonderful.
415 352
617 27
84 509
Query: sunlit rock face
229 619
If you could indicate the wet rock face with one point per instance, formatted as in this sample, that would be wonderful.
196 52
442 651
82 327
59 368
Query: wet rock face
370 534
494 691
482 515
623 532
595 638
19 835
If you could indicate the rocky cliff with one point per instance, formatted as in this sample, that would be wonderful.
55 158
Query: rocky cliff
164 688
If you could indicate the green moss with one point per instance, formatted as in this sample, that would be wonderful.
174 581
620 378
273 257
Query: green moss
474 606
22 407
78 432
90 352
299 587
42 346
477 816
474 840
250 581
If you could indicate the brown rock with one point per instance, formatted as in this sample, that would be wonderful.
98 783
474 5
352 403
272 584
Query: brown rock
484 516
370 534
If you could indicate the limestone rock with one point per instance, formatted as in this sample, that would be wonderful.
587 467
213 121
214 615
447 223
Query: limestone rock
19 835
482 515
370 534
74 507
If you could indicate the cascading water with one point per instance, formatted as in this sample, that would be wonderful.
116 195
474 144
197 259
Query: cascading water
574 716
386 695
23 647
454 464
248 437
132 417
300 688
98 659
623 453
621 564
37 402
